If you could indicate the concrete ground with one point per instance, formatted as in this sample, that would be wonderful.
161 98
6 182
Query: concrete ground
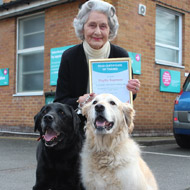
18 159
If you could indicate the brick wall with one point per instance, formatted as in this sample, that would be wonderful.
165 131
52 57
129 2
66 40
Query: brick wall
14 111
154 109
17 112
59 32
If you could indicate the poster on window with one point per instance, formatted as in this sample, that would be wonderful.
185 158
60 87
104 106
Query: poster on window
111 76
169 81
55 59
4 77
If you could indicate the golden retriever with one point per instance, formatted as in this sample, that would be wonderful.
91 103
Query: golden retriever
111 160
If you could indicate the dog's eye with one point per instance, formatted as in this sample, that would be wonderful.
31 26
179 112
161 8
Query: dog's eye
45 111
112 103
61 112
95 102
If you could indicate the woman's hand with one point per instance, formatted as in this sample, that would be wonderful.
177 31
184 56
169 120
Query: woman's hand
133 85
86 98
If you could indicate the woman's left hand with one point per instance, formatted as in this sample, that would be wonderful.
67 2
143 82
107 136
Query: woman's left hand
86 98
133 85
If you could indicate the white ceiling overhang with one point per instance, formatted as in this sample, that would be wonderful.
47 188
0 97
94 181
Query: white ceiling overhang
17 7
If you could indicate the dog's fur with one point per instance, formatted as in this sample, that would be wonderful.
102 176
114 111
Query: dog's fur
111 160
59 148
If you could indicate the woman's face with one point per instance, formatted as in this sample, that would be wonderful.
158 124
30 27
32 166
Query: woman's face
96 30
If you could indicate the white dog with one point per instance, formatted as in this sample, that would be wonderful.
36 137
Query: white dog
111 160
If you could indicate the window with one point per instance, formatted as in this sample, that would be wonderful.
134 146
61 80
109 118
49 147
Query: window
168 37
30 54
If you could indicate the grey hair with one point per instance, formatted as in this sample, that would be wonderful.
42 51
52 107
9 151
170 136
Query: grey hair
96 5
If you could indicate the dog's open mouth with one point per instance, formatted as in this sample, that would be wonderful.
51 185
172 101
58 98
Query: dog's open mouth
102 123
51 137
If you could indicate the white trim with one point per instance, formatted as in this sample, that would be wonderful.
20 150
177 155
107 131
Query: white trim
40 93
29 50
167 63
180 39
26 8
167 46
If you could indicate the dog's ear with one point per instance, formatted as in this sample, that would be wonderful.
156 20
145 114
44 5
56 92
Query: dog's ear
37 120
129 114
76 119
85 109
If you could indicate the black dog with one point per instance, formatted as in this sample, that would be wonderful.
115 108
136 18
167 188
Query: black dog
58 151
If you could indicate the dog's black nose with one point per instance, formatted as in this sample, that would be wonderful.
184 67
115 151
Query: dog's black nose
48 118
99 108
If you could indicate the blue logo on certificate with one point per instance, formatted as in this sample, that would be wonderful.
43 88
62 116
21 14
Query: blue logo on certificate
112 67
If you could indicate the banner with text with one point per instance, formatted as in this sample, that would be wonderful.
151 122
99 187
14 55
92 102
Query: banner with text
55 59
169 81
136 62
4 77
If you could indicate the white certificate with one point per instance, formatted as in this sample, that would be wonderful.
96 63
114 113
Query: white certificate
111 76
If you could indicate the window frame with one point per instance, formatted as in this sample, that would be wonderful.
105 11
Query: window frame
24 52
179 49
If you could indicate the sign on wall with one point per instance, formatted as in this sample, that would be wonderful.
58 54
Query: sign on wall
55 59
169 81
4 77
136 62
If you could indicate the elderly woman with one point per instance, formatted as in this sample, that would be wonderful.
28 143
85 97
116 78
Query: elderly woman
96 25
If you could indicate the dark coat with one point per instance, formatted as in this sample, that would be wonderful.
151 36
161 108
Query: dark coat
73 73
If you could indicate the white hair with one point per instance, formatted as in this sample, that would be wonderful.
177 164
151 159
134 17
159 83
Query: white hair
96 5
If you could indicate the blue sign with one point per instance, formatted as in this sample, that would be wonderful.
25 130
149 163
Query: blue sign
55 59
4 77
136 62
169 81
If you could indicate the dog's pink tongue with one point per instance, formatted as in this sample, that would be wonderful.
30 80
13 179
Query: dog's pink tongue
101 123
50 134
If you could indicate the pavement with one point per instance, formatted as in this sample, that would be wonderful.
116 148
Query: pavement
18 158
150 141
18 162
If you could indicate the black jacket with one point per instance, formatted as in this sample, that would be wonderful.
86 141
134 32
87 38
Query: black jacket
73 74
